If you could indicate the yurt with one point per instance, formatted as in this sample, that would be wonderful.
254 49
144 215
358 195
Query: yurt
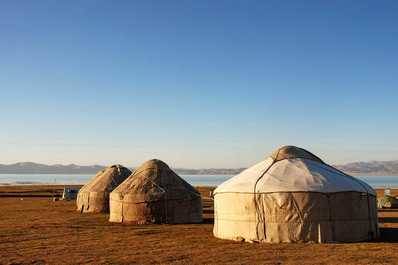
293 196
94 196
155 194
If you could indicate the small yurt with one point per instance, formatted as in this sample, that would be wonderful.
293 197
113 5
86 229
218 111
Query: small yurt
155 194
293 196
94 196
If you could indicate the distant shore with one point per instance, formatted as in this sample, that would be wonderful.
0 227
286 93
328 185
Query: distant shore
387 168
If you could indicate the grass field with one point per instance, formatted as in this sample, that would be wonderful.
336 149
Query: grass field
35 229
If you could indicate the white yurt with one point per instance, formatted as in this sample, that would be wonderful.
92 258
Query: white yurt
293 196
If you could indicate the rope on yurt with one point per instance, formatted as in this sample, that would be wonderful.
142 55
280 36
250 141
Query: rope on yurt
330 217
341 173
255 196
119 171
296 205
192 199
313 156
164 193
122 217
367 197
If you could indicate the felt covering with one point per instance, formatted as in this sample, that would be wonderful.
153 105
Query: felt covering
155 194
293 196
94 196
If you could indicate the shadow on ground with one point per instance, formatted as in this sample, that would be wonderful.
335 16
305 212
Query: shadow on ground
208 221
388 210
387 235
383 220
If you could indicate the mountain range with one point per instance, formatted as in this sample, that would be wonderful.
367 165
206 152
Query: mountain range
357 168
370 168
34 168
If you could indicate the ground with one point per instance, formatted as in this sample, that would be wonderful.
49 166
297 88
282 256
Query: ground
36 229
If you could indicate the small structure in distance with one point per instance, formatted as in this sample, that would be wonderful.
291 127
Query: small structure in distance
70 193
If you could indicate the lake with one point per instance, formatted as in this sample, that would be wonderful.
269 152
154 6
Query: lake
381 181
69 179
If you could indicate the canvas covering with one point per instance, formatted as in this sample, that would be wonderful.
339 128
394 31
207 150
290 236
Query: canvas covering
94 196
155 194
295 199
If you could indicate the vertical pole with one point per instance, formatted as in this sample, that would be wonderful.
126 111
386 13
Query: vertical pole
54 189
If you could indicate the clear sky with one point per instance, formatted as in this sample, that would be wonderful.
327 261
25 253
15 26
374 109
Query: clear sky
197 84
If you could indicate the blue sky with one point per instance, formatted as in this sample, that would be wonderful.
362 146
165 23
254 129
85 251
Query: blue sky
197 84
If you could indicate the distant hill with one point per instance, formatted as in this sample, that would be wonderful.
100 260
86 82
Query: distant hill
34 168
371 168
357 168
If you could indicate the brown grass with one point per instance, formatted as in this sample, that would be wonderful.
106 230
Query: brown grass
39 230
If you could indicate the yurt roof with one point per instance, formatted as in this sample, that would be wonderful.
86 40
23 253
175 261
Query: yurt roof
288 152
154 178
293 169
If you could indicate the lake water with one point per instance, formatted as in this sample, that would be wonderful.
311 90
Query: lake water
69 179
194 180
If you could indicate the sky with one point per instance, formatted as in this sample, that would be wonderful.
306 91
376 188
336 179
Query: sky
197 84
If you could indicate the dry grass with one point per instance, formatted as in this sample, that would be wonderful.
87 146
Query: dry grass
38 230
